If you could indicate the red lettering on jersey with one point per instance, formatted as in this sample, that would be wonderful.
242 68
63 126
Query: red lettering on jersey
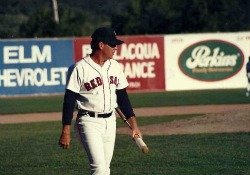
92 82
87 86
113 80
99 81
116 81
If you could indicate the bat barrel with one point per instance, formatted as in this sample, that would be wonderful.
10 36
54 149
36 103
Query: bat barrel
140 143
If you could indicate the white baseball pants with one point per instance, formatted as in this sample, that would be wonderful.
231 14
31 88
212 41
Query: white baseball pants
97 136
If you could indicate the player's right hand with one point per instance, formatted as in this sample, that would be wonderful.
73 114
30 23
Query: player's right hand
64 140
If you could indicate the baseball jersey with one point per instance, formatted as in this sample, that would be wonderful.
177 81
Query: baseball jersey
96 85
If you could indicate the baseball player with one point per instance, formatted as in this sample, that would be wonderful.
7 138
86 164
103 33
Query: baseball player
98 85
248 77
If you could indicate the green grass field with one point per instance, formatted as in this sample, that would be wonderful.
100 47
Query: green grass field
31 148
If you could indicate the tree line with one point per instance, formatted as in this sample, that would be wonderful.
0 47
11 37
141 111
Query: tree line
29 18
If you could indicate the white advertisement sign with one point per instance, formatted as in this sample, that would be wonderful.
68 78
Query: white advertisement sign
206 61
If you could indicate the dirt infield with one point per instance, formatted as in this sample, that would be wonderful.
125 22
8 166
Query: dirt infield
213 119
230 121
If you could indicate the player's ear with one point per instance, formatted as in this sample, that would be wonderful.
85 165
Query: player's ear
101 45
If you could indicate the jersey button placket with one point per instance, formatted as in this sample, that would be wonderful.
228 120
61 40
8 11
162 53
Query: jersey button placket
103 72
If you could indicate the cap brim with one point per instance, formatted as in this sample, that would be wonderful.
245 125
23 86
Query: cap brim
116 42
119 42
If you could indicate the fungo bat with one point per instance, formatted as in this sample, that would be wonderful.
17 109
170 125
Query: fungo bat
138 140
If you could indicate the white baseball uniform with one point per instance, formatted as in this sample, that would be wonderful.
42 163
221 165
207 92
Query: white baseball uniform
97 86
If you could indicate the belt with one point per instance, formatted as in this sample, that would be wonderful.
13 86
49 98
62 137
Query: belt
94 114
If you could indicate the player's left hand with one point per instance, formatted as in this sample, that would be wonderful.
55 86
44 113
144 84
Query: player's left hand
134 127
136 133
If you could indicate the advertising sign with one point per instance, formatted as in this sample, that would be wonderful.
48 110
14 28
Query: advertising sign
81 47
206 61
211 60
34 66
141 58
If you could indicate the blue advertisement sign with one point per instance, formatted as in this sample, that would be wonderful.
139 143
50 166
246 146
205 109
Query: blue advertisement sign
34 66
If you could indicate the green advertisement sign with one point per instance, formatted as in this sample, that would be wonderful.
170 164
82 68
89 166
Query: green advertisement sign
211 60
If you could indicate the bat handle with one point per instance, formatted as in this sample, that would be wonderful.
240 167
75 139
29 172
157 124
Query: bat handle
128 124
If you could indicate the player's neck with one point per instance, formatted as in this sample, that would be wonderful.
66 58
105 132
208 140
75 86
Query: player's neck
98 59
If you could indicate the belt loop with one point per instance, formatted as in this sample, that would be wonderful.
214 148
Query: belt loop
96 114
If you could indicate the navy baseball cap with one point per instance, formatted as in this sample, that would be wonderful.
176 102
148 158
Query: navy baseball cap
106 35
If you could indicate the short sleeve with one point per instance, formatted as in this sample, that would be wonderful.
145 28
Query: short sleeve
123 83
74 80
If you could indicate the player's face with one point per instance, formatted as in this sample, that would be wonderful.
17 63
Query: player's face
109 50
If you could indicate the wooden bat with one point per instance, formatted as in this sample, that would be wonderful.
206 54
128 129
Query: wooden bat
138 140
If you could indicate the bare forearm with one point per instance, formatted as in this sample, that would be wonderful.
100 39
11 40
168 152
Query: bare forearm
133 123
65 137
135 129
66 129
